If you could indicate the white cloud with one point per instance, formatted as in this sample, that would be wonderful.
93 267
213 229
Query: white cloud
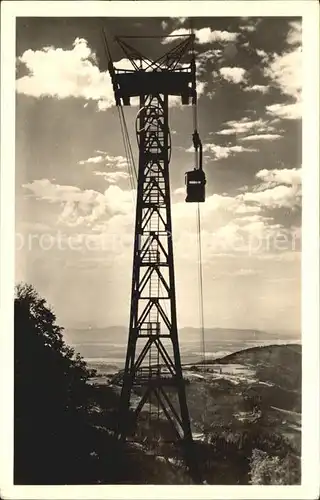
249 24
250 28
206 35
104 104
222 202
278 188
278 196
118 162
179 21
294 36
289 176
264 89
263 54
63 73
233 74
221 152
180 190
78 205
113 177
249 239
230 224
252 218
259 228
164 24
263 137
285 72
200 87
246 208
209 55
215 57
203 35
46 190
82 206
285 111
93 159
119 200
246 125
217 211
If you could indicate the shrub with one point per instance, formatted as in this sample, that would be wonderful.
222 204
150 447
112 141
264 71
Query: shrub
266 469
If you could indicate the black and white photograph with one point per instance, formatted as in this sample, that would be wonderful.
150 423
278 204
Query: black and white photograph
159 332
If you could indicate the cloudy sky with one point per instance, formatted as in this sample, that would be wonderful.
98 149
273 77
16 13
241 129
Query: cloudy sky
74 202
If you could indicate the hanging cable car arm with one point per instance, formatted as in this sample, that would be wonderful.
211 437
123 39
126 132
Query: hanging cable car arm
197 146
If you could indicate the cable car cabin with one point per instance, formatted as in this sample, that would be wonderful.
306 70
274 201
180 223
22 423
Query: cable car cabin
195 184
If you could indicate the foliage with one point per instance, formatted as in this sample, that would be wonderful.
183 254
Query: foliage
266 469
56 437
225 458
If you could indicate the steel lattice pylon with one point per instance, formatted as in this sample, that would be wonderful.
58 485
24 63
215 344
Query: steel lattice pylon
153 304
153 363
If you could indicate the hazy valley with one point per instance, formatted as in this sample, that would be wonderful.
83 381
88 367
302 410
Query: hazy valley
105 348
245 397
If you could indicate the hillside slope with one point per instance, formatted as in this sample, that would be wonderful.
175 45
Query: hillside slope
249 400
260 384
277 364
273 354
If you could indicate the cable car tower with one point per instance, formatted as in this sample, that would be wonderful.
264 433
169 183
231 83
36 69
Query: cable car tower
153 363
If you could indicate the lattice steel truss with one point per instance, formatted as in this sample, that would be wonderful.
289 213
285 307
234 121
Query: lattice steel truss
153 363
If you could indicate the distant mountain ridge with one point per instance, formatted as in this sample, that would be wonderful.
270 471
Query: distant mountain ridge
120 334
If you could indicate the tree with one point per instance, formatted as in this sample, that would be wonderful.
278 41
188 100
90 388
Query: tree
54 439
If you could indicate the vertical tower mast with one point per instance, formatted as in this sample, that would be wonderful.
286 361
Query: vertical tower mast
153 363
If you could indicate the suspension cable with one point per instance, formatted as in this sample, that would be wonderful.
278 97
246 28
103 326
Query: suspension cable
125 148
134 170
127 145
200 273
124 130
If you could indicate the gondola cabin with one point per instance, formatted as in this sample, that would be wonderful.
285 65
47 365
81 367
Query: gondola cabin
195 186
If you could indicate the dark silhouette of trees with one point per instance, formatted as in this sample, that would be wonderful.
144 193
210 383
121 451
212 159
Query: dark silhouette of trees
56 440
